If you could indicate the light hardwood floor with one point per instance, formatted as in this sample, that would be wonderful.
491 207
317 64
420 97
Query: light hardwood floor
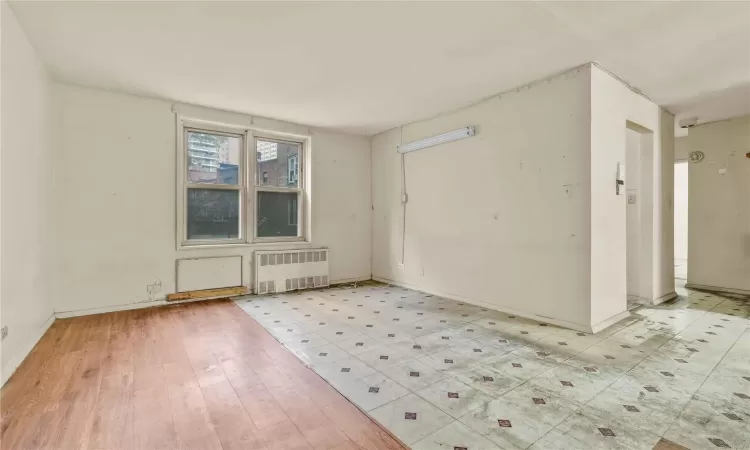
200 375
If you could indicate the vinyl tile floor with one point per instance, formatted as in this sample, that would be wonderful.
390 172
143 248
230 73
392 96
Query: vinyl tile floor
438 373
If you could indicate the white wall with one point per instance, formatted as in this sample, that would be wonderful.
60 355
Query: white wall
115 198
614 107
719 213
499 219
26 173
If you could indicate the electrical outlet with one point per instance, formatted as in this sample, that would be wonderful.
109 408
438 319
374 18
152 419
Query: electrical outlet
400 265
5 331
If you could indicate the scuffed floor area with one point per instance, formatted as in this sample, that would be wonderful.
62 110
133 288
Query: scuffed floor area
440 374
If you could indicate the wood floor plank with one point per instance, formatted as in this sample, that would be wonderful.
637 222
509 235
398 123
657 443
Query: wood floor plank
193 376
263 409
153 425
284 436
359 428
191 421
230 419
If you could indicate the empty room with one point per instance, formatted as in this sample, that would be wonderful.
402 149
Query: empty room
375 225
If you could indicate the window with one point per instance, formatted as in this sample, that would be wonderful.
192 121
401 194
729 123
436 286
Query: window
230 198
278 194
213 188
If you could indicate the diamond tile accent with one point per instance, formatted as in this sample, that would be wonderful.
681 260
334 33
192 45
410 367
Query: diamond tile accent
339 333
502 341
504 423
567 383
323 354
359 344
681 361
542 353
477 350
590 369
391 335
448 361
631 408
733 416
416 347
607 432
374 390
742 396
718 442
517 365
703 340
539 401
651 389
410 416
383 356
305 341
346 369
692 349
562 343
452 394
609 357
413 374
524 332
625 346
667 374
489 379
581 334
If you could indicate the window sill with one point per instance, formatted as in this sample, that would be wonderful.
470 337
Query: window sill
299 243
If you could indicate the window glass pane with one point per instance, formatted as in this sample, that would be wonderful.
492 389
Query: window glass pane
279 163
277 214
213 214
213 158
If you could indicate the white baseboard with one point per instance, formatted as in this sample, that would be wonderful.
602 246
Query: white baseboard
107 309
161 302
11 367
561 323
606 323
717 289
664 298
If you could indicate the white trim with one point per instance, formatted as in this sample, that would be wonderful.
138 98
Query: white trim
527 315
664 298
606 323
717 289
10 368
164 302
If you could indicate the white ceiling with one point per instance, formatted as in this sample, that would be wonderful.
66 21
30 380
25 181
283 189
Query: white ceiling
365 67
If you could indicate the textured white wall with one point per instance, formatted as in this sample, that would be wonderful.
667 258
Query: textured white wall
501 218
719 213
26 173
115 198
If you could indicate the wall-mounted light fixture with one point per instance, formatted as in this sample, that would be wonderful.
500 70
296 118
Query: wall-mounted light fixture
436 140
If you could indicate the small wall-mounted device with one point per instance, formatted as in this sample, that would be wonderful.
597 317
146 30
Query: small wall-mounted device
619 177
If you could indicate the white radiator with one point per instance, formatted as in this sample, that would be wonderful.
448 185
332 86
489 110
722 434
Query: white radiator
289 270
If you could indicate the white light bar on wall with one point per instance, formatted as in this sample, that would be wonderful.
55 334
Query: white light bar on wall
435 140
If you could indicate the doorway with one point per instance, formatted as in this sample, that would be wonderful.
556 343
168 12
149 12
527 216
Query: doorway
680 222
633 215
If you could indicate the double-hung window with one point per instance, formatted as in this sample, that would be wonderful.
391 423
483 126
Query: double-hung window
239 187
278 194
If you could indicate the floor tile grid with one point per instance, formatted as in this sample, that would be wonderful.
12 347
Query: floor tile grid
573 354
